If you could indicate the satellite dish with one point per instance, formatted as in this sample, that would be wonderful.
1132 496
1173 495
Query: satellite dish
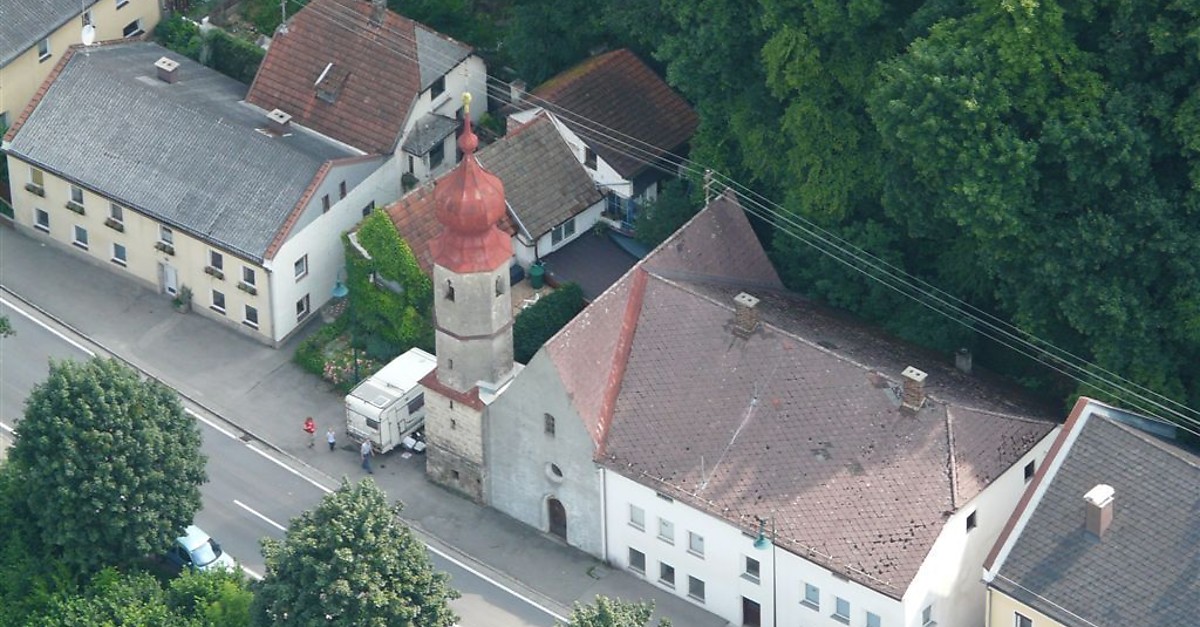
89 34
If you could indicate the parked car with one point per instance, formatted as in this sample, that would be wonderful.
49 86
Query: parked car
197 550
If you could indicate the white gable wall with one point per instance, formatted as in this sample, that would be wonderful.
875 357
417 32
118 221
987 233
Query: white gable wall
604 175
470 75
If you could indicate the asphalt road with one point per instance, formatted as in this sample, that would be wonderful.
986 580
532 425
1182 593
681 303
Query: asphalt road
252 492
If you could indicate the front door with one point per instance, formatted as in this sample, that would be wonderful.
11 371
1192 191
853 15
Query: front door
558 518
170 279
751 613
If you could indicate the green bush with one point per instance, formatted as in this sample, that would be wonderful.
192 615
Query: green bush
181 36
540 322
660 219
310 355
233 57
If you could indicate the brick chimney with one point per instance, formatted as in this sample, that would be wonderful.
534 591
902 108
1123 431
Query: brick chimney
279 122
517 90
378 10
914 388
168 70
745 317
1099 506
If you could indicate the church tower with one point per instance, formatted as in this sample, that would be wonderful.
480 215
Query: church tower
473 318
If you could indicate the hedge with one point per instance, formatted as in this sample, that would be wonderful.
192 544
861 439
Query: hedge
543 319
217 49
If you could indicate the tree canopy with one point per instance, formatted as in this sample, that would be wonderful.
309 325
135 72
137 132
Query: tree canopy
110 464
348 562
607 612
215 598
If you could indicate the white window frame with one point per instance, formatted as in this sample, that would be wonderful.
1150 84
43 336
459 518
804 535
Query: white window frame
696 544
248 276
137 29
874 620
219 308
662 570
927 616
837 614
77 194
37 177
637 517
666 531
634 568
76 240
43 49
216 260
253 324
750 576
121 3
692 584
38 222
300 267
166 235
116 213
303 308
121 259
1021 620
562 231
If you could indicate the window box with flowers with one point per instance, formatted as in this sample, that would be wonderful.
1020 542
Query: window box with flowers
74 206
247 288
164 247
35 189
214 272
115 225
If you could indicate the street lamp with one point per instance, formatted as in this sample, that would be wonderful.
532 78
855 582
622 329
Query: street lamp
341 291
761 543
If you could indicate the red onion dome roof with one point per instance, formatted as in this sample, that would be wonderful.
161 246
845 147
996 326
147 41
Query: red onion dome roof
469 202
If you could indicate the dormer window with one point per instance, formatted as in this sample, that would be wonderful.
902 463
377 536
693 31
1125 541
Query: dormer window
330 81
437 88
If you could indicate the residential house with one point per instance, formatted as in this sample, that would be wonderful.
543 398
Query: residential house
621 121
375 80
1108 533
35 35
152 165
550 200
747 450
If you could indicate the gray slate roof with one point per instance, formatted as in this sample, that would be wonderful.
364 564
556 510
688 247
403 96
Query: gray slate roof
436 55
543 182
428 132
24 23
1146 569
188 154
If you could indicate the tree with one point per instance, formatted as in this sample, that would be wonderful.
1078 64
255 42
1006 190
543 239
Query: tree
607 612
114 598
351 562
661 218
214 598
537 324
111 465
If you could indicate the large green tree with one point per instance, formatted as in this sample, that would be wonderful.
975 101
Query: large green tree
350 561
606 612
111 465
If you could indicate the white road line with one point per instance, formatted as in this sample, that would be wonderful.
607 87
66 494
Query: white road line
503 587
8 428
48 328
289 468
256 576
219 428
259 515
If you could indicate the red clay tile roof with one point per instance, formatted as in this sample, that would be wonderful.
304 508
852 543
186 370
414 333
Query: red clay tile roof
375 72
470 205
802 416
617 91
415 217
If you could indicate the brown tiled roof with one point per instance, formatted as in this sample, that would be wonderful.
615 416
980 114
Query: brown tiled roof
794 419
415 217
543 182
617 91
376 72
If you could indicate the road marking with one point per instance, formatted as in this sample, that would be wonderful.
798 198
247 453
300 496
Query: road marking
503 587
212 424
256 576
289 468
8 428
260 516
48 328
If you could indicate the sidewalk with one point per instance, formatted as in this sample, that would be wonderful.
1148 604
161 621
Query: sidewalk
261 392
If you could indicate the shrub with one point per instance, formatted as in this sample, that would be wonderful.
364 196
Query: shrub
310 354
658 220
233 57
541 321
180 35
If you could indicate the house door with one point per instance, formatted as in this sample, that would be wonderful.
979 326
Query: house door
170 279
751 613
558 518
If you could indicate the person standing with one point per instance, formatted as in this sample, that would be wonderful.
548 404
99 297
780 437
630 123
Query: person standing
331 437
310 427
366 452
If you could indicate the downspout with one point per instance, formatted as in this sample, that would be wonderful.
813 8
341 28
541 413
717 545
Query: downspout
603 511
988 608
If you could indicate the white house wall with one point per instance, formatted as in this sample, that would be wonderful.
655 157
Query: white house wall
604 176
468 76
584 221
950 576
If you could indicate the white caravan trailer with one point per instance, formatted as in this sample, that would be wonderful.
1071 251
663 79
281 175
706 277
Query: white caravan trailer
389 405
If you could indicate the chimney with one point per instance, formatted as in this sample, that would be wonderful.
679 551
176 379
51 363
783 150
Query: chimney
745 317
279 122
517 91
914 388
168 70
378 10
1099 509
962 360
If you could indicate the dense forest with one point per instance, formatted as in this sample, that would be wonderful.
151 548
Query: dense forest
1037 159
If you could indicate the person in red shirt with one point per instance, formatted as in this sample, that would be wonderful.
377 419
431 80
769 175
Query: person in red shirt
310 427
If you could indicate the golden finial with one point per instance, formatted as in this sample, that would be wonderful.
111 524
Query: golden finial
466 103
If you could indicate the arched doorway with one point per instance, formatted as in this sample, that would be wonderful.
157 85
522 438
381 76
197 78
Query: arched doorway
558 517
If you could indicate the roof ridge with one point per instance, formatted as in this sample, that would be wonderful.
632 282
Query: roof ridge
620 358
1168 448
952 461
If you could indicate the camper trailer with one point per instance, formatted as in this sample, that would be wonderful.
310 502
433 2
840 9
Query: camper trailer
389 406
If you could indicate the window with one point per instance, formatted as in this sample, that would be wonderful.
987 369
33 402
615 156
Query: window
216 260
302 308
116 213
81 239
1021 621
132 29
437 88
437 155
499 286
411 165
548 424
812 596
342 189
165 235
43 50
696 589
841 609
873 620
76 194
41 220
325 203
370 206
37 177
300 268
218 302
637 561
562 231
695 544
251 317
118 254
589 159
449 290
752 569
637 517
248 275
666 531
971 524
927 616
1029 470
416 404
121 3
666 574
554 472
